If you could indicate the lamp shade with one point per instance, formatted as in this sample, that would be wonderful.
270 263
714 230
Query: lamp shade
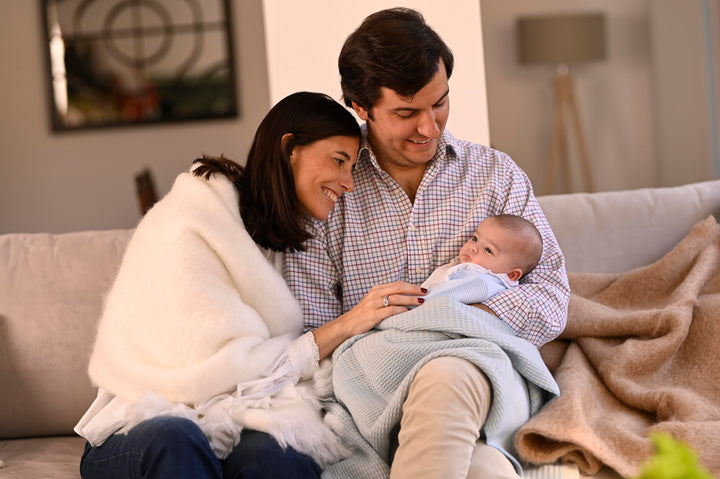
559 39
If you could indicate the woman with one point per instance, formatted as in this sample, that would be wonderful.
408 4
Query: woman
199 360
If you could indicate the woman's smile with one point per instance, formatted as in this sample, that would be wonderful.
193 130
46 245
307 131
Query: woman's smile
331 194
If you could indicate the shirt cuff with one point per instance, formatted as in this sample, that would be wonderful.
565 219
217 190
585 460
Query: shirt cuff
304 355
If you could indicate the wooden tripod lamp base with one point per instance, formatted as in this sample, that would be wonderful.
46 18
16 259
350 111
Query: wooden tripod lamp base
566 115
563 40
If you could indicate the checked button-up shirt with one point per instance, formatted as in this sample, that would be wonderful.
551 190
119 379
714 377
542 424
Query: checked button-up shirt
377 235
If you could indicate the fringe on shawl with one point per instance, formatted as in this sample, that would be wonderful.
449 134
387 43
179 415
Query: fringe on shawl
292 416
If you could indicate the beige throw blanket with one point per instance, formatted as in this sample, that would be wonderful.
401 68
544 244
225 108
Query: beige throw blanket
641 352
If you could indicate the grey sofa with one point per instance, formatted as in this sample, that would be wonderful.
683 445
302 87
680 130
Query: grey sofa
52 287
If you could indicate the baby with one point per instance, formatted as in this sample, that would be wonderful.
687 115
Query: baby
503 249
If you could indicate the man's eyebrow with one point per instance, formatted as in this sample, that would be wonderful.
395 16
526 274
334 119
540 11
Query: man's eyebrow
343 154
447 92
410 109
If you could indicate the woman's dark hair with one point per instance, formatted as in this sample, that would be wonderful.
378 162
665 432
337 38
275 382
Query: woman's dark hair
392 48
268 202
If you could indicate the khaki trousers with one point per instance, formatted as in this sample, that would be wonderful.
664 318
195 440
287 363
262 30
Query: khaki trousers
442 416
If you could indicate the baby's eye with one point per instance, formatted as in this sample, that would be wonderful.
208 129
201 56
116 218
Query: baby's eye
488 250
474 239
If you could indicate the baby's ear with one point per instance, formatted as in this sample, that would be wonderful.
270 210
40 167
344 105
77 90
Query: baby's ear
515 274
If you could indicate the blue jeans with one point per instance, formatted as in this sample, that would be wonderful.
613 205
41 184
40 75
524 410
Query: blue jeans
170 447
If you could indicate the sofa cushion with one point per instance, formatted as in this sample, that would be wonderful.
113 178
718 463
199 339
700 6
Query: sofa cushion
613 232
41 458
51 291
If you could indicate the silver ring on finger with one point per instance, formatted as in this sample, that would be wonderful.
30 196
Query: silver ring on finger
386 301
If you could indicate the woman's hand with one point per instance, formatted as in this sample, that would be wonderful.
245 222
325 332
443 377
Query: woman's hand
374 307
382 301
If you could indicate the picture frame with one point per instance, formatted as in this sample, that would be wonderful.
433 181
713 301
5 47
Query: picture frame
131 62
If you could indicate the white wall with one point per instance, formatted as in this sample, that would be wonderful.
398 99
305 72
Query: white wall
304 40
615 96
59 182
686 88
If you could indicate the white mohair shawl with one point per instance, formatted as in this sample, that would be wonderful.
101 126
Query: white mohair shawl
196 321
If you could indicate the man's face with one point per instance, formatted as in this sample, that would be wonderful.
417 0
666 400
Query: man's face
404 131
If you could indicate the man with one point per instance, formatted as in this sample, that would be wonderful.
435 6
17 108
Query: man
419 193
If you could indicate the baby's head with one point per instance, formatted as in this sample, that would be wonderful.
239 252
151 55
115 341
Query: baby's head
504 244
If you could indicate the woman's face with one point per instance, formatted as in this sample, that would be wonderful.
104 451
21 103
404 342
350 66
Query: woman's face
323 173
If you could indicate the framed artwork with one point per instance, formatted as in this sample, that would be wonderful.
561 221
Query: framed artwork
129 62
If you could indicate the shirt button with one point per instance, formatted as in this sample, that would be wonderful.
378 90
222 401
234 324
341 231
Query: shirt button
413 228
418 270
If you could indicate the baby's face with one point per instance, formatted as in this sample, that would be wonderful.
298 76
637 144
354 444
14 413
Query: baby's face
491 247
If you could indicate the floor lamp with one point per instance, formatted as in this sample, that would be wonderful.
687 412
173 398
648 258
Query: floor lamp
561 40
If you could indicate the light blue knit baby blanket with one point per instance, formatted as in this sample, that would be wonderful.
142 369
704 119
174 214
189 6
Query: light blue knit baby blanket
372 374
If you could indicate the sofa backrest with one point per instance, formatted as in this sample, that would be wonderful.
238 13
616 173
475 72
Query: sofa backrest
51 292
613 232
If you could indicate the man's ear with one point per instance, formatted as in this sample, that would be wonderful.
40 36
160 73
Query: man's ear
515 274
361 112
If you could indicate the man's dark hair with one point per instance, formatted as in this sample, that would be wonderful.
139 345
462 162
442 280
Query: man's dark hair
267 198
392 48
